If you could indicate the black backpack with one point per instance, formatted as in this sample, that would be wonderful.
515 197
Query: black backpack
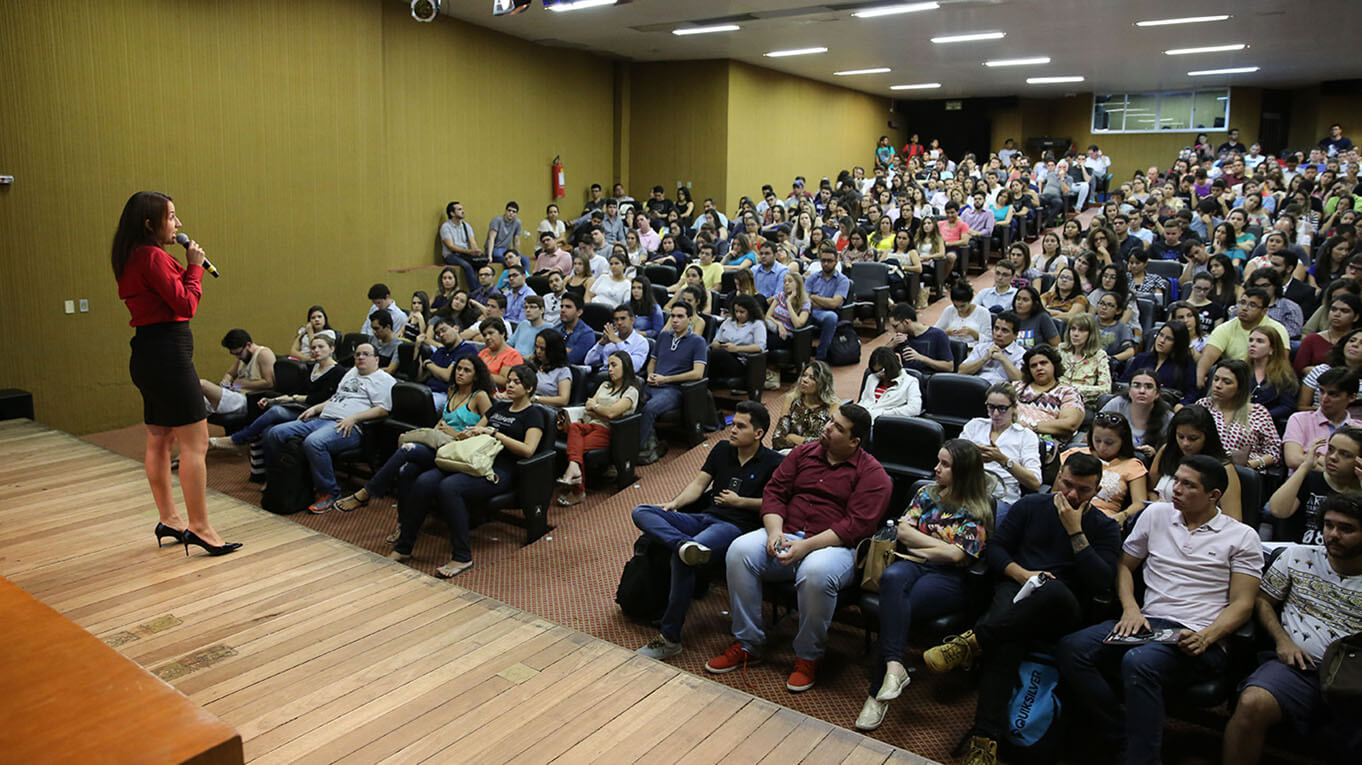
646 581
290 480
845 348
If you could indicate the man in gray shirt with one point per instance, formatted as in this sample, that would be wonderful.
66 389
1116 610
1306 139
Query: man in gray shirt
458 243
504 232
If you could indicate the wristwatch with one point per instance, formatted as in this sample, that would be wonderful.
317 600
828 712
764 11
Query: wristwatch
1009 463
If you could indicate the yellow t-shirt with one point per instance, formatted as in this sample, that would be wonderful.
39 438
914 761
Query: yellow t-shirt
713 275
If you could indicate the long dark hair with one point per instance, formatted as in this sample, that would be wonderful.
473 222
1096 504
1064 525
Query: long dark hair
141 216
555 349
425 303
1158 412
482 377
628 378
326 319
1117 423
1198 417
643 306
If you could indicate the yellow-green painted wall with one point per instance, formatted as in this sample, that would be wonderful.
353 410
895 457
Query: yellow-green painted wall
677 130
310 146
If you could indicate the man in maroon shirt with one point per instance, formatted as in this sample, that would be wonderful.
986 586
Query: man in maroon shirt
824 498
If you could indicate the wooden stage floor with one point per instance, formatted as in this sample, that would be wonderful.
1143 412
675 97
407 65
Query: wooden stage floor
318 651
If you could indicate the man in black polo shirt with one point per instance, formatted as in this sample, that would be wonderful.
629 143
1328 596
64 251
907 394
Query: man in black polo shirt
921 347
730 483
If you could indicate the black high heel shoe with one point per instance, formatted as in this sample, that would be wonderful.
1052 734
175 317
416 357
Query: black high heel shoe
190 538
163 531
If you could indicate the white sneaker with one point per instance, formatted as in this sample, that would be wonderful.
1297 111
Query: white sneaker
892 686
693 553
660 648
872 714
222 442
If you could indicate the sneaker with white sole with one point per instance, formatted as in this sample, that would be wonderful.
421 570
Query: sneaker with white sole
660 648
872 714
693 553
224 443
892 687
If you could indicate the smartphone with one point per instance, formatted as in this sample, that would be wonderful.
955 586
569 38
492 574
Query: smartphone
735 485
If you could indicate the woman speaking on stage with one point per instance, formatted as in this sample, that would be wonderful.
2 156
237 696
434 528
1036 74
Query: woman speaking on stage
162 296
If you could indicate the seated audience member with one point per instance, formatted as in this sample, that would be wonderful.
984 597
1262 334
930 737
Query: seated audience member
252 370
578 336
888 388
643 303
999 359
364 393
619 335
1230 339
1117 338
943 531
470 396
769 275
1065 298
1053 410
1309 485
963 320
1246 429
518 426
551 258
522 339
503 233
612 287
385 341
1284 311
549 360
680 356
516 292
445 287
1142 283
920 346
1170 360
1036 326
1319 320
495 309
825 497
1145 411
812 401
1171 245
788 311
1056 539
1124 485
955 235
618 396
317 324
581 276
382 301
720 504
1086 366
999 296
1345 314
828 288
1201 584
1275 384
742 332
711 272
1319 591
414 331
459 242
553 299
1191 430
323 377
437 370
480 295
741 255
513 260
1336 390
496 354
462 312
1011 452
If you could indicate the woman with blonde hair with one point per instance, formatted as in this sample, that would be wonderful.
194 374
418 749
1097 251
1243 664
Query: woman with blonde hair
1086 366
1274 380
811 404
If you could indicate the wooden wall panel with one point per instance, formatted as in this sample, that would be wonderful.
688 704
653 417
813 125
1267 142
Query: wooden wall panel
677 130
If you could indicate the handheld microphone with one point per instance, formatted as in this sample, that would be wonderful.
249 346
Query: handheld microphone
182 239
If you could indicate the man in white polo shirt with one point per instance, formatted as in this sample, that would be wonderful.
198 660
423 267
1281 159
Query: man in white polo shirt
1201 573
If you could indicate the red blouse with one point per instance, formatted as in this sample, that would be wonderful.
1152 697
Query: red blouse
158 289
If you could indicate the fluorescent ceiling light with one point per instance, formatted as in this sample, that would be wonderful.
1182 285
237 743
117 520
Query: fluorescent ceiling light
578 5
794 52
1053 80
706 30
1187 20
1231 70
876 70
893 10
1207 49
1018 61
971 37
917 86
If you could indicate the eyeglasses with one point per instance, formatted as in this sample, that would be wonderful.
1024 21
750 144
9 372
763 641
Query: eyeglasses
997 408
1107 419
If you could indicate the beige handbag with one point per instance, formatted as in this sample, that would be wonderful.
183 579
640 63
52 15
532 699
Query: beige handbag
432 437
473 455
875 553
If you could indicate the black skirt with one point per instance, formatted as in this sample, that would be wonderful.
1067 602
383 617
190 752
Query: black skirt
162 368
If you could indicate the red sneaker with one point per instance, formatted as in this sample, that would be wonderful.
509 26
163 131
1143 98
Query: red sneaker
732 658
802 678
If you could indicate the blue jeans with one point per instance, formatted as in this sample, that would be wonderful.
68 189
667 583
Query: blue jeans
320 440
469 274
1145 672
660 400
827 327
817 579
673 529
424 489
267 419
909 590
418 455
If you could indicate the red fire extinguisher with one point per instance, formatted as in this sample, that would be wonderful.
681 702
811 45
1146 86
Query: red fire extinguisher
559 179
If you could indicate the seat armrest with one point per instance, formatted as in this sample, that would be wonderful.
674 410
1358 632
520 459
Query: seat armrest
625 437
756 374
534 479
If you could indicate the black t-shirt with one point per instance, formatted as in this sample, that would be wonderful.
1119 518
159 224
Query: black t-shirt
324 387
748 480
1236 147
515 425
1208 315
1308 522
658 208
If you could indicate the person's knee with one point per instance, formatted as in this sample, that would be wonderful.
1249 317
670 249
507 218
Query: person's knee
1142 664
1258 707
820 575
641 514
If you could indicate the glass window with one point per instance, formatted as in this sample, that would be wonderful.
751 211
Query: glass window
1142 111
1180 111
1175 111
1211 109
1108 112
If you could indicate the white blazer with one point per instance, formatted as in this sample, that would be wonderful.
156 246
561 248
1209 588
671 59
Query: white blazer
902 399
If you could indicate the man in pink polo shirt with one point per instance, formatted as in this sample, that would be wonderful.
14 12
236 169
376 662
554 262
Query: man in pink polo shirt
1201 573
1337 388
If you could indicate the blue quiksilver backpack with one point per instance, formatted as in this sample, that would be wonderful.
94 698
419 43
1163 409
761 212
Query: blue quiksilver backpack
1034 711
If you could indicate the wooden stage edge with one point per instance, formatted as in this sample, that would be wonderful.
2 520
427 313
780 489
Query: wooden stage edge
317 651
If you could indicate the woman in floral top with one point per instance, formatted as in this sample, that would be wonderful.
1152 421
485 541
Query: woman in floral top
942 533
812 403
1086 366
1246 429
1052 410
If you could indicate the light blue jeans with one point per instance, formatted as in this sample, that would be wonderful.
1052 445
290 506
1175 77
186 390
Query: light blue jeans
817 578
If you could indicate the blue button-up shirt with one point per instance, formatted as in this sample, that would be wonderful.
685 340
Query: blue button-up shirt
770 283
818 284
515 302
579 341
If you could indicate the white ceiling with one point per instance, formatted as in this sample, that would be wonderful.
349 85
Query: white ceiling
1293 42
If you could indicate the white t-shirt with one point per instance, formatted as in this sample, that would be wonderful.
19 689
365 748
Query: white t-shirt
980 320
607 290
1017 443
358 392
1319 606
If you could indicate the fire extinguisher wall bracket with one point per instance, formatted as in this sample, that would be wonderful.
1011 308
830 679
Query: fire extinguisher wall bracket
558 179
